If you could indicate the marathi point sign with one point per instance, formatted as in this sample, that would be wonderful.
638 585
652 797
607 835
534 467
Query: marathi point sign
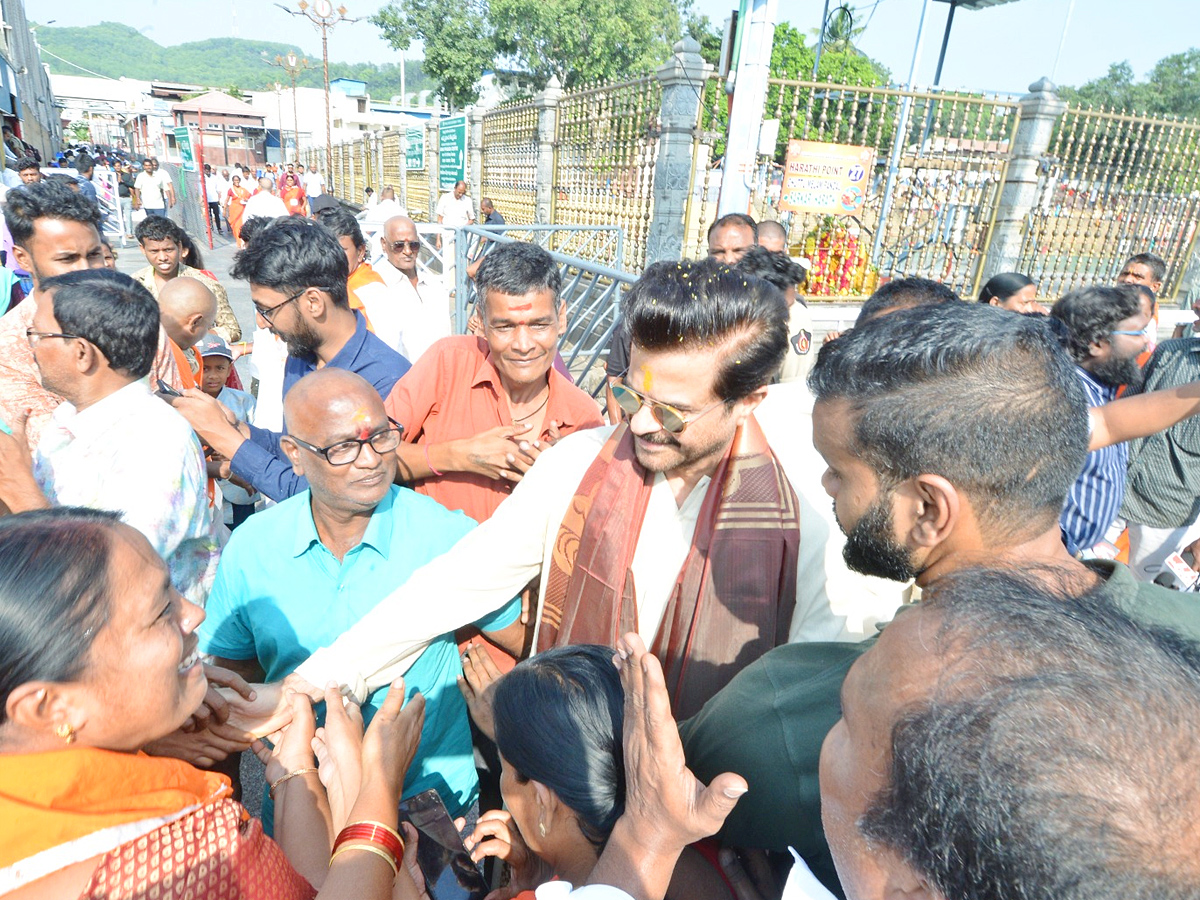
414 148
830 179
452 152
183 140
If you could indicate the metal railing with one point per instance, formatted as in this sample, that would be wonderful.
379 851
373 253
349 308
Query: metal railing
510 148
592 292
1113 185
940 161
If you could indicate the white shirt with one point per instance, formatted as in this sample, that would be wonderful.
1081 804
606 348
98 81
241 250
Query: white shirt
494 561
375 215
314 183
421 313
151 188
861 600
264 203
216 187
455 212
133 454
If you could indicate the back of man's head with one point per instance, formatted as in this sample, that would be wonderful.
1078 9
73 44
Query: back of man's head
986 399
1090 314
701 304
158 228
1055 755
45 200
905 293
111 311
771 266
290 254
517 269
342 223
267 184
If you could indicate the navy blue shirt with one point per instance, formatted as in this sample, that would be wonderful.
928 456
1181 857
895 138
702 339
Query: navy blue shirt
262 462
1095 497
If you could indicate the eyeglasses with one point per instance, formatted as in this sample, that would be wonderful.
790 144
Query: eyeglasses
343 453
410 246
35 337
668 417
1130 333
268 313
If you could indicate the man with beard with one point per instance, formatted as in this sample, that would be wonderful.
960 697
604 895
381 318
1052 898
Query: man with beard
679 524
1105 334
952 434
297 273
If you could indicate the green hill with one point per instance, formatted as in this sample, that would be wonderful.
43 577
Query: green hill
117 50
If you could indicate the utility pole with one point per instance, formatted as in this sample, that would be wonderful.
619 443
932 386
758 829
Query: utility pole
293 67
749 97
323 17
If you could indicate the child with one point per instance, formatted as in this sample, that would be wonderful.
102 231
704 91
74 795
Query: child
218 361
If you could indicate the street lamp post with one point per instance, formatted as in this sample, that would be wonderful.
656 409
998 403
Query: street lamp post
293 67
323 17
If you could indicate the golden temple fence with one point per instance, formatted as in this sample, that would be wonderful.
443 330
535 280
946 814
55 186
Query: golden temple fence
1113 185
1109 184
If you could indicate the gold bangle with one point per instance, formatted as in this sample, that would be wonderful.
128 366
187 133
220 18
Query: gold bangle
369 848
309 771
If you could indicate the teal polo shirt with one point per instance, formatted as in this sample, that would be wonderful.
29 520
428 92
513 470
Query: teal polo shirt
280 594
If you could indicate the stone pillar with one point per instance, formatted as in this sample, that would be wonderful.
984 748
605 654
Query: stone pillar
673 168
432 131
475 153
547 130
1040 111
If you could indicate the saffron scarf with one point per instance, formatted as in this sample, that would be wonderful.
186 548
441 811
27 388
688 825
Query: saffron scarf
734 596
47 799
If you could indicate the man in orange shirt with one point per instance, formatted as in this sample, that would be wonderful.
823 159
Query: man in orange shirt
369 293
188 310
477 411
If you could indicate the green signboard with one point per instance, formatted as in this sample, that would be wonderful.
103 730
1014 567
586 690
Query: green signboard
452 152
183 139
414 149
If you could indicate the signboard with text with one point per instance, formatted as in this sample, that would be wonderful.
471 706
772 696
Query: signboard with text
830 179
452 152
414 149
183 140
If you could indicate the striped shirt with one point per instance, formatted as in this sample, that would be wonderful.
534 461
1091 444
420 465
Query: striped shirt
1095 496
1163 482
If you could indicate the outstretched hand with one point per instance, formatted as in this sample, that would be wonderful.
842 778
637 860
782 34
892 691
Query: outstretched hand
476 683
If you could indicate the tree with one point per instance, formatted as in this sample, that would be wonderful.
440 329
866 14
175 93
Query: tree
1172 88
457 37
840 32
604 40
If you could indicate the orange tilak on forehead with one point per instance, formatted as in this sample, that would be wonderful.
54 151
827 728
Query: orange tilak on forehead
647 379
519 307
361 420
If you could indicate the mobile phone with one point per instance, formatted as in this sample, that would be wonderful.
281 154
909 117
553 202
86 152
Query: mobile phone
164 388
450 873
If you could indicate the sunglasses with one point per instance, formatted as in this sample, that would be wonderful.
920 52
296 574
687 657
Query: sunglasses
410 246
671 419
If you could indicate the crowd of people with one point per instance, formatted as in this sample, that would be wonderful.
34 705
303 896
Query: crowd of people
627 644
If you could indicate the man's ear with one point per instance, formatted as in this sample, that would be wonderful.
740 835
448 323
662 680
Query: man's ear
292 449
562 317
902 883
744 407
932 507
316 301
21 255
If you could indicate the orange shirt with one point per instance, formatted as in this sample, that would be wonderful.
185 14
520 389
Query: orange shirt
360 278
453 391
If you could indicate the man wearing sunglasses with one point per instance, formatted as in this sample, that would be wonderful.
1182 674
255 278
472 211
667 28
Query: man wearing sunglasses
678 524
297 273
421 301
299 573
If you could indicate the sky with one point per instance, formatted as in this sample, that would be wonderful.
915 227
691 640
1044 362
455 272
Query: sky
1001 49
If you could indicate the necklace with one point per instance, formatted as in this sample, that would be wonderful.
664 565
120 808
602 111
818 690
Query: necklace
536 411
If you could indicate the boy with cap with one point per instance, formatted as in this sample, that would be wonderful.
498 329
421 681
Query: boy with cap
218 361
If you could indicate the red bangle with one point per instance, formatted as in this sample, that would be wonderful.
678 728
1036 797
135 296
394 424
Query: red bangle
372 833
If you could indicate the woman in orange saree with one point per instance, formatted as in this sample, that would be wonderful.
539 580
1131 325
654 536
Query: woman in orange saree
235 206
100 660
293 196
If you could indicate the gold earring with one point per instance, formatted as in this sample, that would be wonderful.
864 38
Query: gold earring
541 828
64 731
